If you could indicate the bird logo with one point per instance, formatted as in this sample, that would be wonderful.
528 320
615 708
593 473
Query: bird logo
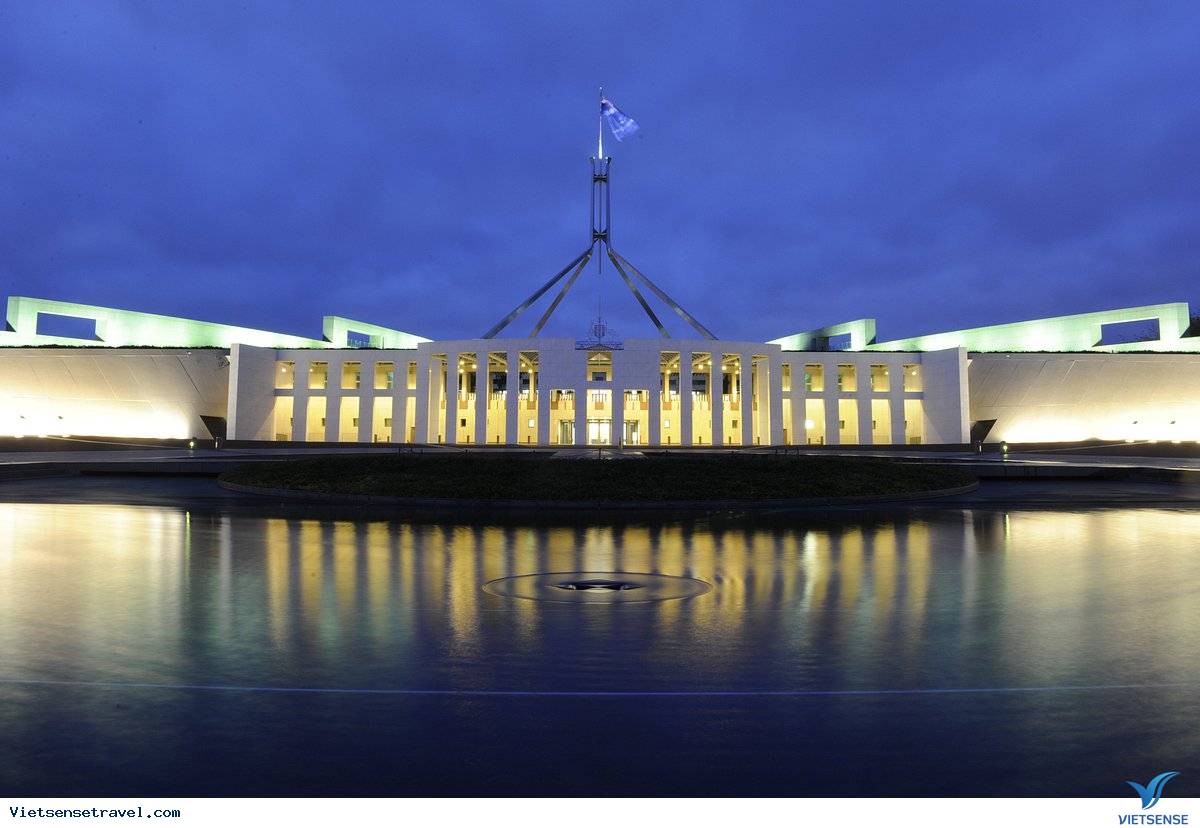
1151 792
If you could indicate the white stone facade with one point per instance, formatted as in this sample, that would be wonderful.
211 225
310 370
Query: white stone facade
546 392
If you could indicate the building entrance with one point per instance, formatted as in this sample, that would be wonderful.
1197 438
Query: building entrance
632 433
599 432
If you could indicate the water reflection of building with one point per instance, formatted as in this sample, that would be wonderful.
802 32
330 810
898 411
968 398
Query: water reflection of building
880 599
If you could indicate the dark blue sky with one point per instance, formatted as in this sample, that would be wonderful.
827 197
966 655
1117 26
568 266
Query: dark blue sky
424 166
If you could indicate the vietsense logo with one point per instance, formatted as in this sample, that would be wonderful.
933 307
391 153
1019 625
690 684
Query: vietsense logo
1150 794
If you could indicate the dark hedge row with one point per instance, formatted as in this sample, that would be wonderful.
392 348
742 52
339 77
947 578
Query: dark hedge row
533 478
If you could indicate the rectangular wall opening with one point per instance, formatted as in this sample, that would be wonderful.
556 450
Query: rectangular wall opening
385 375
600 366
912 378
814 422
527 401
438 398
880 379
381 420
599 418
283 418
496 427
848 422
702 399
314 427
348 420
881 422
285 374
847 378
731 399
760 399
914 422
637 417
670 424
75 327
814 378
838 342
562 417
318 375
1120 333
464 421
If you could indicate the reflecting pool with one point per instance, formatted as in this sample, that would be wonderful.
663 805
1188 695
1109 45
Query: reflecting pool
154 650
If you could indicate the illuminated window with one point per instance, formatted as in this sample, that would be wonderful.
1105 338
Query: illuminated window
351 374
912 378
814 378
385 375
285 375
318 375
599 366
847 381
879 378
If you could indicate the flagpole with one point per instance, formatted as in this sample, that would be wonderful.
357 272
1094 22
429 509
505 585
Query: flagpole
600 122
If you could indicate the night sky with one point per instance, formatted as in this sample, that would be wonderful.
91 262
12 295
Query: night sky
424 166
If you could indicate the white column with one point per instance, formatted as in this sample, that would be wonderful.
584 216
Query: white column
896 406
654 438
483 388
581 406
366 409
399 400
450 425
421 410
866 434
617 431
747 411
300 409
773 391
716 397
543 415
685 398
333 407
833 434
512 398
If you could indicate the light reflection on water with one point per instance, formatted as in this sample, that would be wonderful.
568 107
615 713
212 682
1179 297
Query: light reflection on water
954 599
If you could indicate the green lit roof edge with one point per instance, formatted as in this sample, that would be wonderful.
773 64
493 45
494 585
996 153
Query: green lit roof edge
1063 334
117 328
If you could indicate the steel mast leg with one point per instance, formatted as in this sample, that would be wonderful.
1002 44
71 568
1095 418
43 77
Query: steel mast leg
661 294
562 293
521 308
638 295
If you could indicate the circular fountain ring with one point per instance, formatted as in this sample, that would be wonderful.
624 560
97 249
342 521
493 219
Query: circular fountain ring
596 587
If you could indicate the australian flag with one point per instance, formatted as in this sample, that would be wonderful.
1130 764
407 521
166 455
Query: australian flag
622 125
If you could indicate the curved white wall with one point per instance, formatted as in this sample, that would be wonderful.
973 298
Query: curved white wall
101 392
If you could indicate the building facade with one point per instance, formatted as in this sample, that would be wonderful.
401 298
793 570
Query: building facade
143 375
